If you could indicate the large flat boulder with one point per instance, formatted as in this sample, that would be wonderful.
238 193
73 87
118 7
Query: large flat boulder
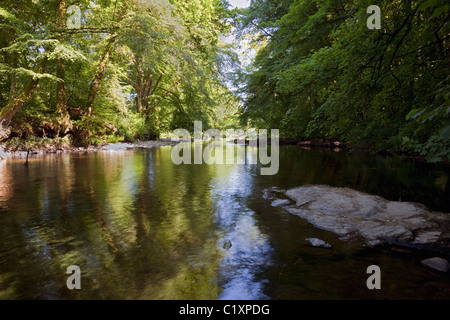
350 213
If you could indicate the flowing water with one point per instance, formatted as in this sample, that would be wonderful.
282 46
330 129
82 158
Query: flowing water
140 227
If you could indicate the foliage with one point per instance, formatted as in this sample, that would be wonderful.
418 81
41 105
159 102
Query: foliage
320 72
135 69
139 69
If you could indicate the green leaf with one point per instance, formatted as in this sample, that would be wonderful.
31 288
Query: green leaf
445 133
440 11
414 113
427 4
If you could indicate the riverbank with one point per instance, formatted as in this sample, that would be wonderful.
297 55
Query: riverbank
360 149
22 151
48 146
321 145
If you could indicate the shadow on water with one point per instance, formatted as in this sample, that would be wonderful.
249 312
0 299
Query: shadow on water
141 227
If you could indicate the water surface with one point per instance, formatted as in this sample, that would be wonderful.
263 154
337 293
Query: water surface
141 227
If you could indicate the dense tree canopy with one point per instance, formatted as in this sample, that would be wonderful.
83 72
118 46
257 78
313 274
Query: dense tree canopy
321 72
137 69
129 69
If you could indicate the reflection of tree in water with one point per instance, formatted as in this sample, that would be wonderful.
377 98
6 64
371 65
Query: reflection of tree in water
447 186
154 238
5 183
180 249
34 241
391 178
140 227
129 239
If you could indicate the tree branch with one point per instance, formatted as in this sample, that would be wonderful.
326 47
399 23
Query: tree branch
268 34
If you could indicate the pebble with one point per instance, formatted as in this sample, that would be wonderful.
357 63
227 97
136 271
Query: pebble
315 242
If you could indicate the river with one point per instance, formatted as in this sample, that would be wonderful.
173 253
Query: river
140 227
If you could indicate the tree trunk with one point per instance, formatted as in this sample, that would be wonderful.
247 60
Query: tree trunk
63 119
13 90
139 101
139 85
150 89
157 118
166 94
19 101
140 91
95 84
79 112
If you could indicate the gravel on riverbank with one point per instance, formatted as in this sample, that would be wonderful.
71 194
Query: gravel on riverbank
120 146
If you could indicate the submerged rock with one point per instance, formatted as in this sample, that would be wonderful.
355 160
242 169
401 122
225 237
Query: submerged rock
350 213
280 202
437 264
318 243
227 245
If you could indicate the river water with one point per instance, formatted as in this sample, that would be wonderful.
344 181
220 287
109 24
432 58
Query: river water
140 227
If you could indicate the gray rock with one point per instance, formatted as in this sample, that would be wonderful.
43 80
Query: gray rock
350 213
227 245
436 263
281 202
427 237
318 243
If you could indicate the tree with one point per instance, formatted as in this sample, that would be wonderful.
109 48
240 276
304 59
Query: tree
320 72
131 70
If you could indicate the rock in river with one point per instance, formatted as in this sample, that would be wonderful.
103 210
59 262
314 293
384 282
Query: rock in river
280 202
350 213
436 263
318 243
